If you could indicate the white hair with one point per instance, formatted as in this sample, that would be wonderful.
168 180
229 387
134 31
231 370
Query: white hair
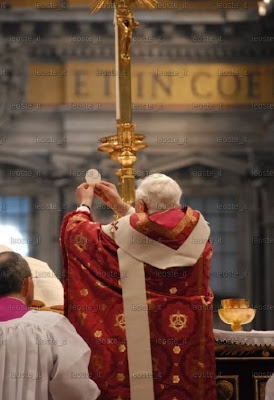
159 192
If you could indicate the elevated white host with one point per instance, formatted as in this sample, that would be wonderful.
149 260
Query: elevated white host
93 176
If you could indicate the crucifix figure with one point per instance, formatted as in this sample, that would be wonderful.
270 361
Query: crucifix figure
126 24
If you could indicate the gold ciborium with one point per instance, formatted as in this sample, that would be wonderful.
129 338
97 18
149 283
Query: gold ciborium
236 312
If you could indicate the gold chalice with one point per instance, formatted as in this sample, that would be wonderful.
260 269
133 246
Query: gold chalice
236 312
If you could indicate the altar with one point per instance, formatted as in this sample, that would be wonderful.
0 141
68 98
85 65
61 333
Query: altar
244 363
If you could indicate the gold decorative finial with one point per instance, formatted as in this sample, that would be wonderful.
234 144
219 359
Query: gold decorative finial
98 5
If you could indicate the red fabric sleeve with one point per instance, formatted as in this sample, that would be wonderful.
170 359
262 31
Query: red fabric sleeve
74 225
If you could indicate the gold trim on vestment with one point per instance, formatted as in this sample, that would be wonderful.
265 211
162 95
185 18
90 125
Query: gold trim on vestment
77 217
158 254
145 225
200 265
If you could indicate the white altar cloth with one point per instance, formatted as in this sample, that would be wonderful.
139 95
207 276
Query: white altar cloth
255 338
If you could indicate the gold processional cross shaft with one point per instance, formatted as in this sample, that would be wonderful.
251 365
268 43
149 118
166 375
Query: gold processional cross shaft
123 146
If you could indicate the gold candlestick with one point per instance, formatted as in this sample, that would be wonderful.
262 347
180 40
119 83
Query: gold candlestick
123 146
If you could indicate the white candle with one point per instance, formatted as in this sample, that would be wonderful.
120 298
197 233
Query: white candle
117 65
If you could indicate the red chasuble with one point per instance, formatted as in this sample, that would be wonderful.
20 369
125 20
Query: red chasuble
179 304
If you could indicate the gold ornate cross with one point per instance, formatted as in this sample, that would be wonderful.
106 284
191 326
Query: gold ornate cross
123 146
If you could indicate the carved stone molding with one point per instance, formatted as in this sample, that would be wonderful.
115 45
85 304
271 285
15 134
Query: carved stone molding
190 42
187 52
13 81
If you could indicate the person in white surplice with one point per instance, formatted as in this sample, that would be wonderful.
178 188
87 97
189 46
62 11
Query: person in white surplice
41 355
47 287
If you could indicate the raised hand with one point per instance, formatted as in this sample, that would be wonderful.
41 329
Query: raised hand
85 194
108 193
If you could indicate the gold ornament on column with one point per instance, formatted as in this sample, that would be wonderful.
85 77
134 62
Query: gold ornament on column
123 146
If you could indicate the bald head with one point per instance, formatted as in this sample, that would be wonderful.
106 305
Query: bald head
15 276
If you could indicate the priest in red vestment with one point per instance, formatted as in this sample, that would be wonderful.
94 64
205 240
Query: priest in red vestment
137 292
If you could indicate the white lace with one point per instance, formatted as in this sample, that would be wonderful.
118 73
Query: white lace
255 338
